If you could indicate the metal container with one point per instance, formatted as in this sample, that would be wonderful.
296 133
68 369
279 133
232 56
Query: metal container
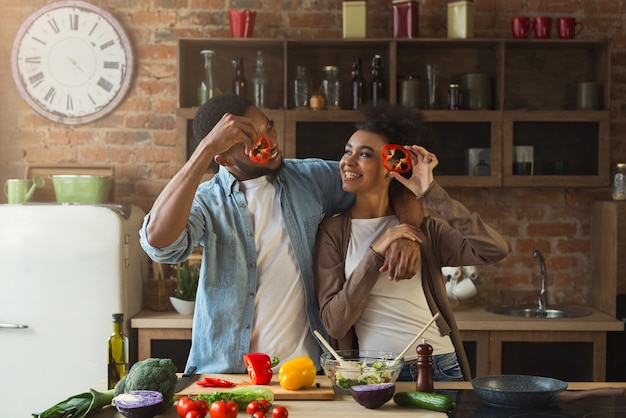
409 91
476 92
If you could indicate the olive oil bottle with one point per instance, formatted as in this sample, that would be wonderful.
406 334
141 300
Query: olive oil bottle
118 351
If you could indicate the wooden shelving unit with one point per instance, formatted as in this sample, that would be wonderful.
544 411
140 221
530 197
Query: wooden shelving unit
534 85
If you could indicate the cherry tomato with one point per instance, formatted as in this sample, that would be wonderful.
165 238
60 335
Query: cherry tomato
260 153
396 158
184 405
203 407
259 414
193 414
221 409
280 412
265 405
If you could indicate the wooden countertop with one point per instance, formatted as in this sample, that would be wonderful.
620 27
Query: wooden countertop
470 319
345 407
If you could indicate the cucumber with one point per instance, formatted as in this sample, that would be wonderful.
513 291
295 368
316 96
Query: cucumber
432 401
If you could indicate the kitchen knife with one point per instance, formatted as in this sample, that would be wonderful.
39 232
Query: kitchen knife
186 379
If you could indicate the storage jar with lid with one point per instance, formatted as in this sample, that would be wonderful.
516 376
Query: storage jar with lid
460 19
405 19
618 184
331 87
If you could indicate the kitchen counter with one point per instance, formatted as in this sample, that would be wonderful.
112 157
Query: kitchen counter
486 329
346 407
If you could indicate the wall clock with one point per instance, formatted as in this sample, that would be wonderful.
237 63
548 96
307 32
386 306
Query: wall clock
72 62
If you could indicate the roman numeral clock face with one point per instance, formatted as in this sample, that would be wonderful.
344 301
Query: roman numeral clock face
72 62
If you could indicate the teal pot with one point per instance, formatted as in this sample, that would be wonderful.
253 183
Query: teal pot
85 189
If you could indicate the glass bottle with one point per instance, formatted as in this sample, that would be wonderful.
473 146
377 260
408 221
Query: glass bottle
301 88
331 87
118 351
259 82
240 85
358 84
206 89
618 183
378 82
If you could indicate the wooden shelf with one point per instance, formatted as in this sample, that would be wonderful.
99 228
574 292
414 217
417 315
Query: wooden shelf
534 95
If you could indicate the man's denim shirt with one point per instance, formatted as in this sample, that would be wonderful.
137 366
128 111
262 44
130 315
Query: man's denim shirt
310 190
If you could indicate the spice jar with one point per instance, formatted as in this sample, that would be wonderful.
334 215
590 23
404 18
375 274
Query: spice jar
618 184
454 97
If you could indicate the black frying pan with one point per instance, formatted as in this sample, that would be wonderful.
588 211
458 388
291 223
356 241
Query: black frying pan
531 391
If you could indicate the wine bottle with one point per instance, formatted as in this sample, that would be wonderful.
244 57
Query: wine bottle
378 82
358 84
118 351
240 85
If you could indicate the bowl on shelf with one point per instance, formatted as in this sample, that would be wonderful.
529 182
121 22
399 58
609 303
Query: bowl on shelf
85 189
359 367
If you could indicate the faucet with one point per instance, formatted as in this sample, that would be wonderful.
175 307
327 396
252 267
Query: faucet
542 299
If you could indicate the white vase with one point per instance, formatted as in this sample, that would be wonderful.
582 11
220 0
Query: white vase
184 307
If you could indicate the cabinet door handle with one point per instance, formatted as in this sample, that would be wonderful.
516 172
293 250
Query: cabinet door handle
14 326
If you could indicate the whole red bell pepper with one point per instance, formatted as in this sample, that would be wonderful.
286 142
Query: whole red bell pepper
259 366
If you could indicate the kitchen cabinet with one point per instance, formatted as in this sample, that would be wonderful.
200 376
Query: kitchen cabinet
533 84
608 254
488 332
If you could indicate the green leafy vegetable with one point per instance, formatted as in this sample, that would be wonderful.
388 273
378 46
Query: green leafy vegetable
376 373
241 396
78 406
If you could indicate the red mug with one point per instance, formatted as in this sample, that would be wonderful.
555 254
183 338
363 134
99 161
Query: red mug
241 23
521 26
568 28
543 26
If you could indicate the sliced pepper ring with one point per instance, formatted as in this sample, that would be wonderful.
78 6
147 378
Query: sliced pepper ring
396 158
261 151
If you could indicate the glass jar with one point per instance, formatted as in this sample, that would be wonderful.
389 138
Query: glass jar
618 184
301 88
454 96
331 87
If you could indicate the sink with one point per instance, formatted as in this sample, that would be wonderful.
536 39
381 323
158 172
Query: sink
533 311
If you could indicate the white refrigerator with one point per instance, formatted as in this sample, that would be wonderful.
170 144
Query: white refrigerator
64 270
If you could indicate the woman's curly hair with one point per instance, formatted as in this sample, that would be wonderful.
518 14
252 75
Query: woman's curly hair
398 124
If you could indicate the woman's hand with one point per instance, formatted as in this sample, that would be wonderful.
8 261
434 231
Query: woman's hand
424 162
396 232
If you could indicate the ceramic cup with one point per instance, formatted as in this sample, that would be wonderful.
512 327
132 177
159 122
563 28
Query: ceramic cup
241 23
464 289
521 26
542 26
568 28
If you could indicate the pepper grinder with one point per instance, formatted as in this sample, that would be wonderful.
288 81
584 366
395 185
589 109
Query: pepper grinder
424 367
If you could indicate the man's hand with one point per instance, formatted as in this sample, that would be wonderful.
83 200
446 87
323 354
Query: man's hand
402 259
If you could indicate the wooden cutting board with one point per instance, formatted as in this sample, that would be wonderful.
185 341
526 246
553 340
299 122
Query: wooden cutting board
322 389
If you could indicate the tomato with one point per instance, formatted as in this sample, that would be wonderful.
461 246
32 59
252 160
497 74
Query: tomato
259 414
221 409
280 412
184 405
191 408
258 406
396 158
260 153
203 407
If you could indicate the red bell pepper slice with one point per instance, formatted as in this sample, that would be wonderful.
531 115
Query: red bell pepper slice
260 153
259 366
396 158
214 382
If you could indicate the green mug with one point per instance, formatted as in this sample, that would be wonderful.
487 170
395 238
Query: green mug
22 190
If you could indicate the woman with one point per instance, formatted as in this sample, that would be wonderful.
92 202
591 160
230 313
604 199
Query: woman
359 306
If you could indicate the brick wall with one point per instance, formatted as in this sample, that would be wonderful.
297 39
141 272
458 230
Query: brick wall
138 138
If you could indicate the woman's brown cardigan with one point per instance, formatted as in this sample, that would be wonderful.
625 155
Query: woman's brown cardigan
457 237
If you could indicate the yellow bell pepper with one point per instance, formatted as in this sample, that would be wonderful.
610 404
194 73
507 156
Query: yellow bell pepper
297 373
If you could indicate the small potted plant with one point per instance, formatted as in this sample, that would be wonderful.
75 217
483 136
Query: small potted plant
184 299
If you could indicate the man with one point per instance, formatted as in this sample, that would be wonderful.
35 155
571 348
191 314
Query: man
257 223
